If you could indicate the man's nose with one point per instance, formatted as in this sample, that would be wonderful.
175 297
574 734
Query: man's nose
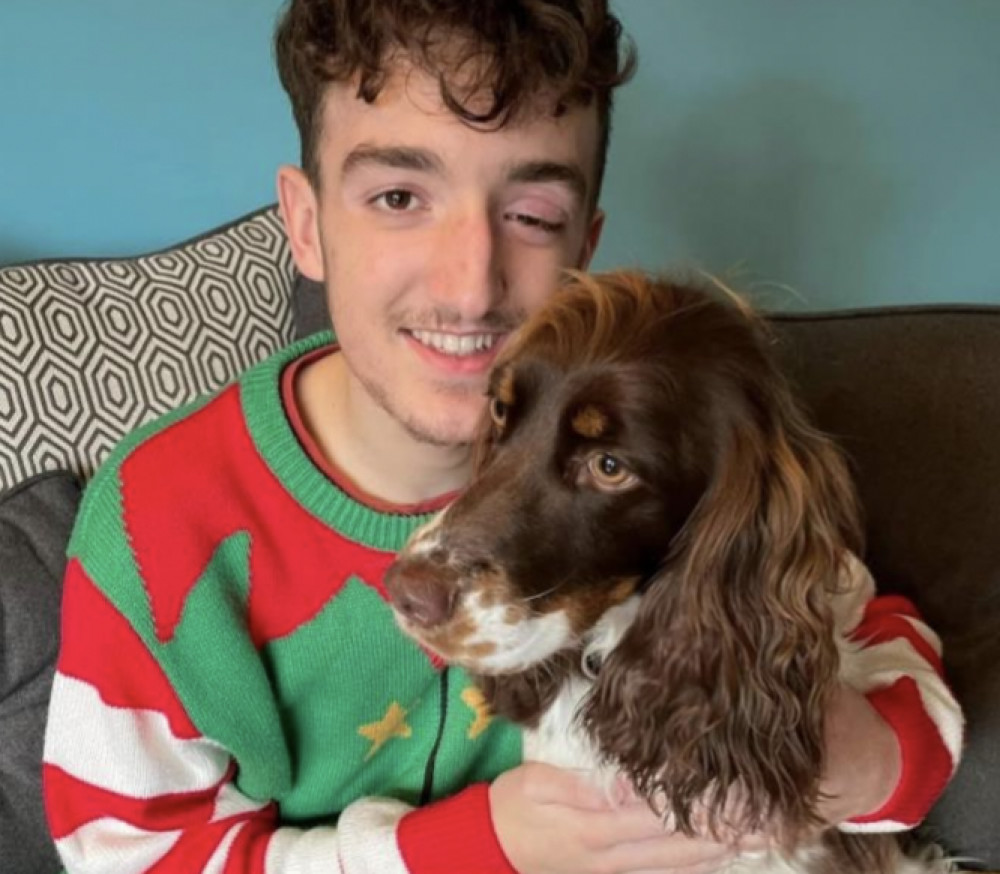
468 274
424 592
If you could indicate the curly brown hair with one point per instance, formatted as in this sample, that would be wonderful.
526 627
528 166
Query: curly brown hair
513 50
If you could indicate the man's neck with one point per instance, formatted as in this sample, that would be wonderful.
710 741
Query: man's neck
367 445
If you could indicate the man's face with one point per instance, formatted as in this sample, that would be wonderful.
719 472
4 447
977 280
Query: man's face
437 239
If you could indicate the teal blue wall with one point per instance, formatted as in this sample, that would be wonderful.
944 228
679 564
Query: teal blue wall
826 152
129 124
823 154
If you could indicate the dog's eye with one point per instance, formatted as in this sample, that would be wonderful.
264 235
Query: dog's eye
498 411
609 472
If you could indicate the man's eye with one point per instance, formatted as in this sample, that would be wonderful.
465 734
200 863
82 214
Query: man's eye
396 200
534 221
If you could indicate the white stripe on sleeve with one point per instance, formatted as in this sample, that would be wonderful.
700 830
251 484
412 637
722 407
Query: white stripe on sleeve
130 752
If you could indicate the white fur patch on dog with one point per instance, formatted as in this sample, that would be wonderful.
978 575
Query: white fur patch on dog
427 538
518 643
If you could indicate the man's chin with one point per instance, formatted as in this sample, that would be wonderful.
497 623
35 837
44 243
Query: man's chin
450 426
445 416
441 435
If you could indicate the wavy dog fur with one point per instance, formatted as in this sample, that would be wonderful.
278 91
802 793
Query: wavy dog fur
721 681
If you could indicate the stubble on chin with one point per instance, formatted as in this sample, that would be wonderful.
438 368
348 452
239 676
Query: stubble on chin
441 434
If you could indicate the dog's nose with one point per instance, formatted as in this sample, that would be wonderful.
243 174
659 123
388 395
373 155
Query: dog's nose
424 592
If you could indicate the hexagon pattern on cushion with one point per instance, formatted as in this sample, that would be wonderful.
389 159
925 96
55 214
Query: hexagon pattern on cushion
91 348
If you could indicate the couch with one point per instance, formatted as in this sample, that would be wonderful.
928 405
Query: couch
90 348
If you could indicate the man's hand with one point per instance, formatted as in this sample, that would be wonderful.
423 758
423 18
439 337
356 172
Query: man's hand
863 761
553 821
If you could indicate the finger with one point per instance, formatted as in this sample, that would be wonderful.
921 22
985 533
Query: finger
634 822
706 868
637 821
757 842
548 784
747 841
674 852
624 791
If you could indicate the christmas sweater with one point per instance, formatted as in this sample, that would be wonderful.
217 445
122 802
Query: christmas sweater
233 694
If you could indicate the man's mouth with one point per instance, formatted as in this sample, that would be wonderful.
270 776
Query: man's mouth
459 345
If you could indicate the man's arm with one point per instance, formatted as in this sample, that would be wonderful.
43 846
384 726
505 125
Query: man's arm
140 788
131 784
894 731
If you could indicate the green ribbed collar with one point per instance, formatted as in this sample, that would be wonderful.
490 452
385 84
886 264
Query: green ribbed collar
260 394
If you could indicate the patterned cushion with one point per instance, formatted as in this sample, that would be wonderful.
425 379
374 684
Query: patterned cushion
89 348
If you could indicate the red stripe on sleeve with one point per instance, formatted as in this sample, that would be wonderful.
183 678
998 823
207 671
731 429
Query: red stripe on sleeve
891 604
194 849
926 763
886 619
249 850
453 835
71 803
101 648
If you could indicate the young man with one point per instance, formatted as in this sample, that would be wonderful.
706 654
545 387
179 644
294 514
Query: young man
232 692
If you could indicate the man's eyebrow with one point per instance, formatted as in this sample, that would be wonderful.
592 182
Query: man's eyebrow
552 171
397 157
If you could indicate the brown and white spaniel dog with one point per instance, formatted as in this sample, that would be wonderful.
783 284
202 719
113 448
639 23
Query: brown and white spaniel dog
644 570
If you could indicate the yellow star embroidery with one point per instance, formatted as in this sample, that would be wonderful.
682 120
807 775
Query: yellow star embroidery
473 698
393 724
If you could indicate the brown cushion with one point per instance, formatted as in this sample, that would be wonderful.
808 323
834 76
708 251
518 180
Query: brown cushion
913 394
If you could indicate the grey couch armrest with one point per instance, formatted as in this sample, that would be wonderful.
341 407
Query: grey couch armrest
36 518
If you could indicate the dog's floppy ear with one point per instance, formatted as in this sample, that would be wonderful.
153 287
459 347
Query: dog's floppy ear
713 702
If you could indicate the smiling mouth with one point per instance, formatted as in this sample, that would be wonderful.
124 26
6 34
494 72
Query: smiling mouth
458 345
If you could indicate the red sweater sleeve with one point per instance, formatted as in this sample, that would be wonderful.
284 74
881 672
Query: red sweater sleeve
453 835
898 667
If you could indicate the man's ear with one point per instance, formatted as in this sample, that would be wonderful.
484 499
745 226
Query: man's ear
300 213
592 239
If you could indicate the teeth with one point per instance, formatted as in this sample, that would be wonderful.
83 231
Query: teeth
455 344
